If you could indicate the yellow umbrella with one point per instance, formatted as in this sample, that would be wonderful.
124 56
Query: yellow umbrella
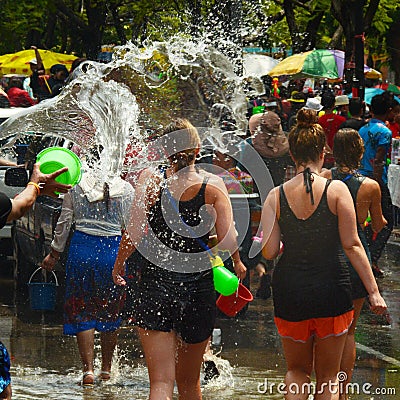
373 74
18 63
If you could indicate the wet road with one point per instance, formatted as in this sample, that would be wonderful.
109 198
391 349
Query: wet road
45 364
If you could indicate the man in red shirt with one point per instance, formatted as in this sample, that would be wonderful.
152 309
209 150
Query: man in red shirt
330 122
17 96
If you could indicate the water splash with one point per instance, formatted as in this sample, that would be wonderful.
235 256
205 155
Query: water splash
129 99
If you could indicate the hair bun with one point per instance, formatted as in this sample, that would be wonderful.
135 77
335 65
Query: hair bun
306 118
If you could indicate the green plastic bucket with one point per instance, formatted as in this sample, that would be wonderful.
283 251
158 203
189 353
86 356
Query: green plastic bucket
54 158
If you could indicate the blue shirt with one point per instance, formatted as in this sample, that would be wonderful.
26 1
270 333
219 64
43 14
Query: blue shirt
374 134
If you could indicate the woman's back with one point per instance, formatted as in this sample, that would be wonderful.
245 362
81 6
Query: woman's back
309 281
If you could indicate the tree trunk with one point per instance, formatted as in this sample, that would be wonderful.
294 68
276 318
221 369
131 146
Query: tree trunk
225 22
393 39
117 24
194 8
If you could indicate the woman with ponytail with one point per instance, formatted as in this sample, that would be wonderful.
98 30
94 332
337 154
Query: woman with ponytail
173 214
314 218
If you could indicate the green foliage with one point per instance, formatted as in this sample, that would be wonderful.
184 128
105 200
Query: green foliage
26 21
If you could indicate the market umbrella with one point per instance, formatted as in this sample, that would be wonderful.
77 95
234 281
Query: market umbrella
257 64
18 63
371 92
316 64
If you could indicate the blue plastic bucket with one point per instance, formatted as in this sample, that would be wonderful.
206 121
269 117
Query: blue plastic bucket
42 295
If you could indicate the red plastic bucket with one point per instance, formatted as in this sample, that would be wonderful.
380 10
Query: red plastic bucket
231 305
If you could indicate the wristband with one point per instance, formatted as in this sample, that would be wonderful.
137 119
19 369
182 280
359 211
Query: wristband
36 186
53 257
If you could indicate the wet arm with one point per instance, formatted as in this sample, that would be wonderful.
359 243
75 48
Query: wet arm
137 222
379 163
64 223
352 245
378 221
40 66
270 227
225 228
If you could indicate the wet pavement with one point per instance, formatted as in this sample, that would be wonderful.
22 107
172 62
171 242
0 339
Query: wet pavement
45 364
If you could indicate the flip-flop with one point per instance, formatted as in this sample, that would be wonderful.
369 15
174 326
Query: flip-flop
91 381
105 375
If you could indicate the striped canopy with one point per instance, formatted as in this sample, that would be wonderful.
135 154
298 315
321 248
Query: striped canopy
317 64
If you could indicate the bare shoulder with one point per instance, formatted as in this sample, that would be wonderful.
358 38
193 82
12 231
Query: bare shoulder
326 173
213 180
370 188
337 187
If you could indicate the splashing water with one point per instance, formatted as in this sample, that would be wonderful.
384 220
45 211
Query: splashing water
129 99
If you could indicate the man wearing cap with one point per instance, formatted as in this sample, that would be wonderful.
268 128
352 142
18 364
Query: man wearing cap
356 110
297 101
38 79
342 105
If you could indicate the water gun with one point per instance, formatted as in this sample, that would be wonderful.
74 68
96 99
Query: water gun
258 239
366 223
275 88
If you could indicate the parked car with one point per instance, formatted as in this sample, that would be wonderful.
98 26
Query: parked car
6 252
32 234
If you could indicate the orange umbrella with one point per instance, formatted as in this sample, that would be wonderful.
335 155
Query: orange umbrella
18 63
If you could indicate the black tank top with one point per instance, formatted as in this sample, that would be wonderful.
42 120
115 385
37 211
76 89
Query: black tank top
310 280
163 215
352 181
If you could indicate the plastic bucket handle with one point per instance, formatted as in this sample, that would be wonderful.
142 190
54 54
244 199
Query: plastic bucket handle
34 272
231 305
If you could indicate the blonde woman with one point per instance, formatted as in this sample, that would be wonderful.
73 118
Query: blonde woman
175 312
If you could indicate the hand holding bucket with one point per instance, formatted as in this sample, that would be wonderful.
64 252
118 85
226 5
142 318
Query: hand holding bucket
225 282
55 158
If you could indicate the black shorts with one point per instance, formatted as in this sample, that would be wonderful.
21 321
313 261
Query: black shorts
5 378
167 303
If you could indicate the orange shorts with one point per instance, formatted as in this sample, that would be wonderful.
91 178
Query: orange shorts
301 331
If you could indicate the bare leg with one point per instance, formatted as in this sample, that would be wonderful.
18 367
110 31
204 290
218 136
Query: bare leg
108 342
349 352
85 341
190 357
299 360
159 350
328 354
6 393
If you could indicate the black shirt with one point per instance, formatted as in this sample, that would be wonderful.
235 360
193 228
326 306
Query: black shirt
5 209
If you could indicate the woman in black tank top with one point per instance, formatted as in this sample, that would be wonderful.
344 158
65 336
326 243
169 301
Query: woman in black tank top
314 218
348 150
175 311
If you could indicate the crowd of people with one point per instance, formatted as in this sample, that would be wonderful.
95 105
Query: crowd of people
327 161
21 91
